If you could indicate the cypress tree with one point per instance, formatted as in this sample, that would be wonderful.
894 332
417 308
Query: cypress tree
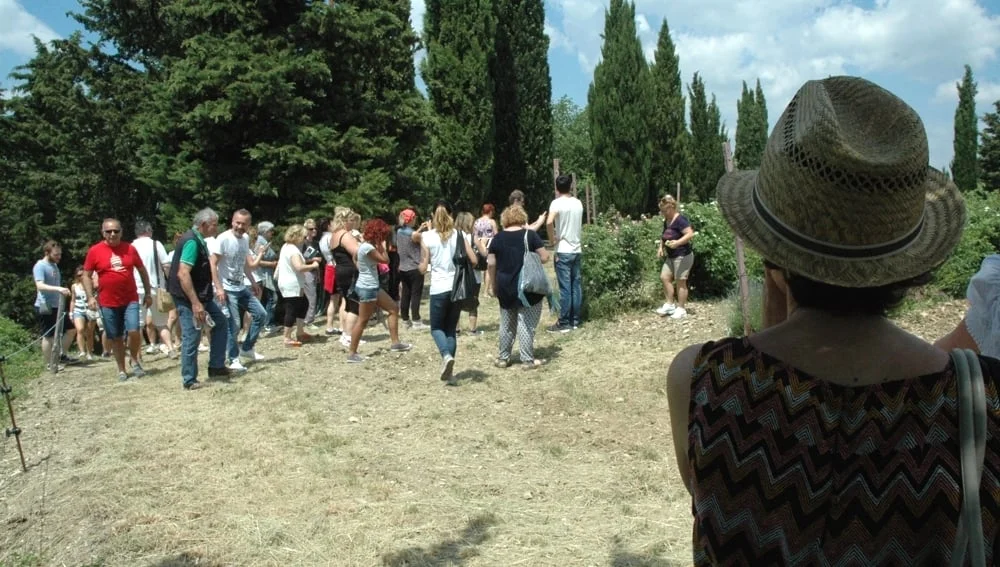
522 103
458 35
764 128
707 135
989 150
964 166
619 117
746 155
668 135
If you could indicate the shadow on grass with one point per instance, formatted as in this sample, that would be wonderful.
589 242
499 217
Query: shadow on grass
548 353
185 560
450 552
471 375
621 557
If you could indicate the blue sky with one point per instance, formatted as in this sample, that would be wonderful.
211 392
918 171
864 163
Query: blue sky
915 48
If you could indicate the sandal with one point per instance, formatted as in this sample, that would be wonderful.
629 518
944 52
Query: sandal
501 363
531 365
292 343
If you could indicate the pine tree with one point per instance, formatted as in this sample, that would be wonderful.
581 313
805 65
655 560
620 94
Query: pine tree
668 134
707 135
522 103
964 166
746 155
989 150
618 104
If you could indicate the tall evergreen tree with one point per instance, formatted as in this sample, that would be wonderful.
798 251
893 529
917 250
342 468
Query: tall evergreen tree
746 155
458 35
668 134
989 150
764 129
571 138
618 104
522 103
964 166
707 136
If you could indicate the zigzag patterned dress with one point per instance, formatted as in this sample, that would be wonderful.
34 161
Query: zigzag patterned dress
788 469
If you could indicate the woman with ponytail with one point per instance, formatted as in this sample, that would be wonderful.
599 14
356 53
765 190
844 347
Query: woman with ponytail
437 252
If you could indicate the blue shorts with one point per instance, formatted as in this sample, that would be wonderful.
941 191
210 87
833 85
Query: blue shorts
120 320
366 295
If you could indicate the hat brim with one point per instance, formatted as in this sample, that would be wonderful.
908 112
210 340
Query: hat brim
944 219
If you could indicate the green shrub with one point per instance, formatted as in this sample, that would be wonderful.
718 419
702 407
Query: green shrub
22 366
980 239
714 273
756 308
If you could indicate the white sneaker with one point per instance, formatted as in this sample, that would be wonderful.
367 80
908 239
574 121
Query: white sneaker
345 341
251 355
202 348
164 349
666 309
151 349
236 366
679 313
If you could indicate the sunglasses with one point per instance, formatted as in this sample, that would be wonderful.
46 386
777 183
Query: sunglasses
113 231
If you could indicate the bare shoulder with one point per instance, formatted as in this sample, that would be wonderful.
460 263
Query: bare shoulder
682 366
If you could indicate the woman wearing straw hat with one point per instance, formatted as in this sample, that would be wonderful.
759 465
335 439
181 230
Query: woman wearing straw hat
832 436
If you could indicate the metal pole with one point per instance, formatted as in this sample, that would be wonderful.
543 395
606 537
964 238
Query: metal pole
741 265
57 342
13 430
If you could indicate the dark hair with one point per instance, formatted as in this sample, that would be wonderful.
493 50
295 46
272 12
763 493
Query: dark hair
564 184
50 245
324 225
375 231
445 204
878 300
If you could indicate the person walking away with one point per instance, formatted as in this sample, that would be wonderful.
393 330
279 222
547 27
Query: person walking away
265 272
437 254
154 257
465 223
49 295
485 229
675 251
371 253
565 226
410 277
290 274
190 283
329 277
505 260
114 262
235 270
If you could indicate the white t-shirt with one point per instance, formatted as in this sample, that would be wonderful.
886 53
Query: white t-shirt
442 265
233 252
568 211
290 281
144 246
324 248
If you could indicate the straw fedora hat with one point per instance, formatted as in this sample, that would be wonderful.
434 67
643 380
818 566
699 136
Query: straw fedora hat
844 194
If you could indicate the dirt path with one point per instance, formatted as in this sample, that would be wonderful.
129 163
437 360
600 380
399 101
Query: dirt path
307 460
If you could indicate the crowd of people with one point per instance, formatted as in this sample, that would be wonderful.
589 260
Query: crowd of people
232 287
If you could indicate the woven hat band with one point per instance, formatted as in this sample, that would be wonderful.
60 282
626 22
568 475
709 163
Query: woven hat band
809 244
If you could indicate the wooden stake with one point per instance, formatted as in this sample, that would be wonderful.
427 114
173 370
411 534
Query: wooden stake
555 174
586 197
678 193
741 265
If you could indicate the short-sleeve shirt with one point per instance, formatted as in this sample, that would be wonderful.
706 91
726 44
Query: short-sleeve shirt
983 317
508 248
442 260
290 280
673 231
114 267
367 267
47 273
568 212
144 246
233 252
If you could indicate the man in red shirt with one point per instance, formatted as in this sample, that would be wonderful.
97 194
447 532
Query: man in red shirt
114 260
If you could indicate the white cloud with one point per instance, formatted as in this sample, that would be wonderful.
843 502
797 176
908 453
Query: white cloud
986 92
642 24
919 43
18 28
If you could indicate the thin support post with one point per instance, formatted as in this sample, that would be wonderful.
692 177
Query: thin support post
741 265
12 431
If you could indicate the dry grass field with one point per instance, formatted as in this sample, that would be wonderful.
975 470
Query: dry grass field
307 460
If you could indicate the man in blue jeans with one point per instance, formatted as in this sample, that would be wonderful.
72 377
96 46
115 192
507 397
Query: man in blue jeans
190 284
564 225
232 257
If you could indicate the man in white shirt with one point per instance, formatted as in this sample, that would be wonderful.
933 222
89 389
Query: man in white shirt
231 253
565 224
153 255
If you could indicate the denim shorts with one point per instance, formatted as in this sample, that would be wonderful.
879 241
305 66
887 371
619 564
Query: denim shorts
366 295
120 320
